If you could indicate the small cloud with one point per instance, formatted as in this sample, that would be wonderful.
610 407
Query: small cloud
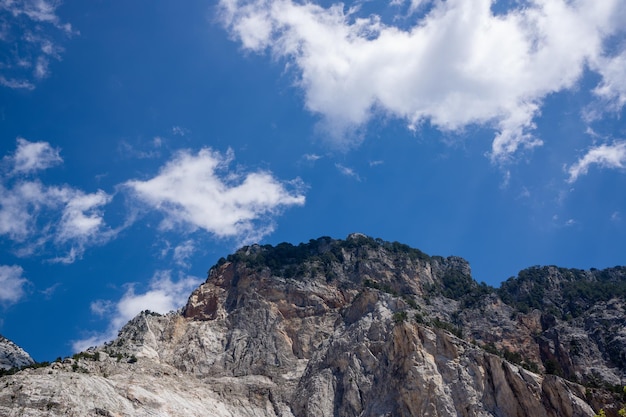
348 172
150 151
33 156
33 214
162 296
82 218
311 157
376 163
179 131
525 193
49 292
82 223
196 191
616 216
41 68
559 223
31 31
16 84
12 282
102 308
605 156
183 252
506 180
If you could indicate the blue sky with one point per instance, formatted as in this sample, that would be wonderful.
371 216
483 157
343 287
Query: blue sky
141 141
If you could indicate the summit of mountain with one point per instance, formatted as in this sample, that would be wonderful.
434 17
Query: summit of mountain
353 327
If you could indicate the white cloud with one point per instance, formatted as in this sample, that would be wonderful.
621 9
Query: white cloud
195 191
33 214
179 131
605 156
163 295
311 157
183 252
141 151
82 223
49 292
16 83
34 156
458 65
42 11
612 88
616 217
31 33
19 208
12 283
348 172
81 219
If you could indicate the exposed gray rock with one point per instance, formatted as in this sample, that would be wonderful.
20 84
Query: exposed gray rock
12 356
334 328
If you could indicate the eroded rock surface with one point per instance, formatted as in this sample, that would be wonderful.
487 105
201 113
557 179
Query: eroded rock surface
347 328
12 356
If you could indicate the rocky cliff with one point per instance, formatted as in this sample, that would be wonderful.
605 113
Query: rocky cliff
12 356
355 327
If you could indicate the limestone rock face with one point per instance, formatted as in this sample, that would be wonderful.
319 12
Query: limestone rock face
12 356
347 328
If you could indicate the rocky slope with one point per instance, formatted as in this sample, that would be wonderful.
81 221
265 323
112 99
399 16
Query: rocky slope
355 327
12 356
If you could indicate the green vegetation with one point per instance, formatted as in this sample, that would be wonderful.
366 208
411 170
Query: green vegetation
461 287
316 256
289 260
455 330
419 318
513 357
552 367
400 317
568 293
402 249
381 287
14 370
86 355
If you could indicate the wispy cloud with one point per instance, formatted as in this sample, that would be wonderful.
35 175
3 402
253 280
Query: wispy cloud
151 150
12 283
183 252
33 156
558 222
458 65
49 292
31 36
311 157
196 191
179 131
162 296
611 156
616 217
612 88
33 214
348 172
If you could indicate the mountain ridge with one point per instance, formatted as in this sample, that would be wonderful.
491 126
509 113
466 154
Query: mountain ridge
354 327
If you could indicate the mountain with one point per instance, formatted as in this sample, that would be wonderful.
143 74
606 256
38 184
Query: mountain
12 356
354 327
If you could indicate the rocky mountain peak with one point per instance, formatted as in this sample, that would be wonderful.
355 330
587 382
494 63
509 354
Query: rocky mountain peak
12 356
354 327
